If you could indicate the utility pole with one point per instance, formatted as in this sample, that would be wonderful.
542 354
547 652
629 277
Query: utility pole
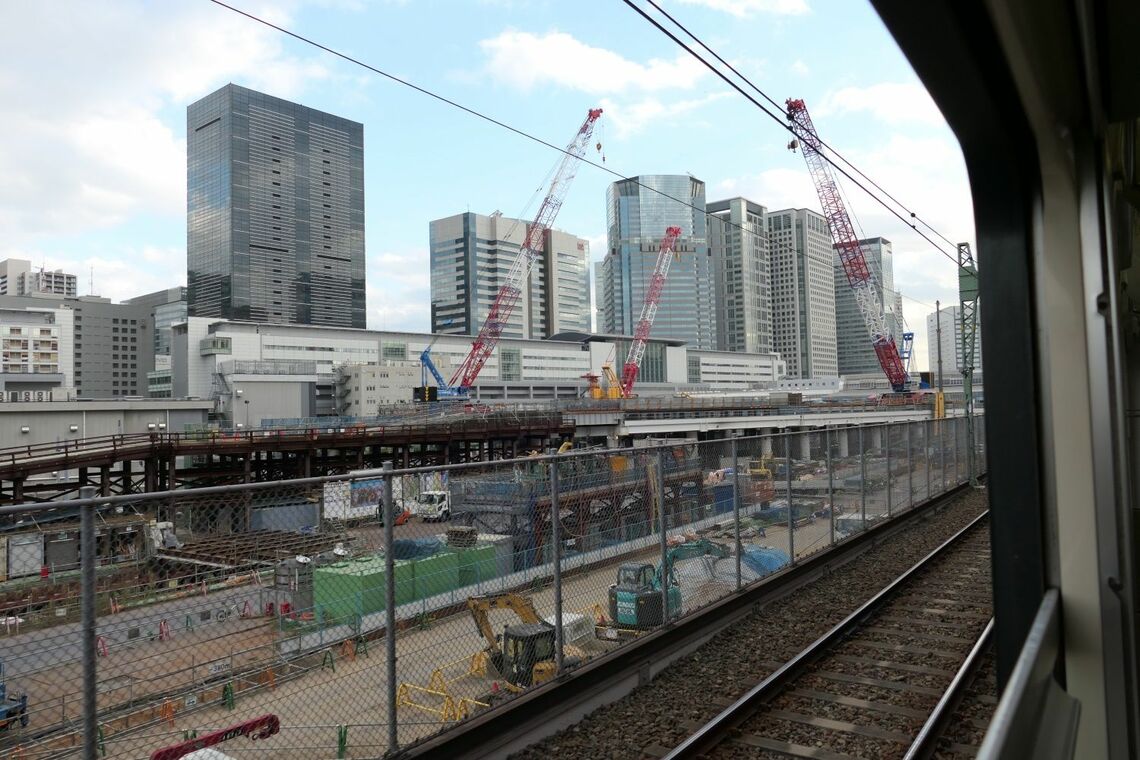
938 339
968 323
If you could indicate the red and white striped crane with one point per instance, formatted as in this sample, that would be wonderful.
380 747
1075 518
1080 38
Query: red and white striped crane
847 246
632 365
511 290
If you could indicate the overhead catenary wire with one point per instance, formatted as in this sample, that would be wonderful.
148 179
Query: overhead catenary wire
822 142
781 121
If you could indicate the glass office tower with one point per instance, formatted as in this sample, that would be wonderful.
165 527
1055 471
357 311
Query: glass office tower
638 210
275 211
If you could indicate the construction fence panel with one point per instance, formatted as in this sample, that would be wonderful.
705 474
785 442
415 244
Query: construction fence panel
217 606
764 532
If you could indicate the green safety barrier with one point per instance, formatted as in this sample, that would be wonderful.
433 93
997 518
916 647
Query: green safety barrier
341 742
228 695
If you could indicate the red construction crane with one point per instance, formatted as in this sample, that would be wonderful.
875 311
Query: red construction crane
665 256
847 245
511 290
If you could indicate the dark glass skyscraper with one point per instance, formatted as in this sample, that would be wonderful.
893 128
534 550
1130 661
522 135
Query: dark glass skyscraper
275 211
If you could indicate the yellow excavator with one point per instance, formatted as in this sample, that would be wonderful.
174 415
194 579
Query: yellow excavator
524 654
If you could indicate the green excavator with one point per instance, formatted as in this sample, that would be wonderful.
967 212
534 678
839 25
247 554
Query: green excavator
635 601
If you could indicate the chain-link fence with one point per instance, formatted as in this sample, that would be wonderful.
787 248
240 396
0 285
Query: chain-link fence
345 616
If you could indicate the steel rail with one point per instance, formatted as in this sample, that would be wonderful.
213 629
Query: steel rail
712 733
926 743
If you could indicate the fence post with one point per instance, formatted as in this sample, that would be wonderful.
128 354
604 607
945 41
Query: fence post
830 486
863 476
941 455
736 503
957 475
666 571
788 482
556 546
390 606
887 446
909 466
87 602
926 455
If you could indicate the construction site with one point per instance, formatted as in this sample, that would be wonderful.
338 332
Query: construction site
199 628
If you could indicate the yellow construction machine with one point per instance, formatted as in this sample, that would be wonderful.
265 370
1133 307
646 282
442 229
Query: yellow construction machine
523 655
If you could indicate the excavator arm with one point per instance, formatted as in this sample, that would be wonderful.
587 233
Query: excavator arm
481 607
688 550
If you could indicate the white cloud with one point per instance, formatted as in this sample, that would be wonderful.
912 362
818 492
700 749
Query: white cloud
398 290
889 102
85 143
800 68
745 8
115 274
775 188
629 119
525 60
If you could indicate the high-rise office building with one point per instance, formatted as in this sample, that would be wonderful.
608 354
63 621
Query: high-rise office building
638 211
738 244
167 308
471 255
951 323
19 278
275 211
803 292
856 353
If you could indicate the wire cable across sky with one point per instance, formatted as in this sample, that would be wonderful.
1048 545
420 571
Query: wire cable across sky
533 138
779 120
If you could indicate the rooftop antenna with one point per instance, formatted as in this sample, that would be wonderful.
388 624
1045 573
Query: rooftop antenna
91 282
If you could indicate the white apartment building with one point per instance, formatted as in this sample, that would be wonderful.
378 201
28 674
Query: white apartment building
36 348
18 278
951 320
471 255
803 293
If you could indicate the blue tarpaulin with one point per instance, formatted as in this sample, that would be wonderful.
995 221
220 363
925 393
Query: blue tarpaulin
415 548
764 559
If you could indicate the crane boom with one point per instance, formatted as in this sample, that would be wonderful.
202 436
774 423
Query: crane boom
847 246
648 310
511 290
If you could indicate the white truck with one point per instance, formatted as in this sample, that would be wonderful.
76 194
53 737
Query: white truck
431 506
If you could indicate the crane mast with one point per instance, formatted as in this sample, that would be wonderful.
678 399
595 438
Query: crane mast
648 311
511 290
847 245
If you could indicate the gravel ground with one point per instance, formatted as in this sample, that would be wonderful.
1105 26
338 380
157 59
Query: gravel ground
738 658
967 729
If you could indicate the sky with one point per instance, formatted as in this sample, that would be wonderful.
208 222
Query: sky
93 141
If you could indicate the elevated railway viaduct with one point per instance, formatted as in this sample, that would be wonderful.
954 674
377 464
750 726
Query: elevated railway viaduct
142 463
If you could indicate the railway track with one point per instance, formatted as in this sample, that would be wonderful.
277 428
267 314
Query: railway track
885 682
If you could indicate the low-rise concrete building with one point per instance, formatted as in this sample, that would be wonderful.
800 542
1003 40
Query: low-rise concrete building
260 371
